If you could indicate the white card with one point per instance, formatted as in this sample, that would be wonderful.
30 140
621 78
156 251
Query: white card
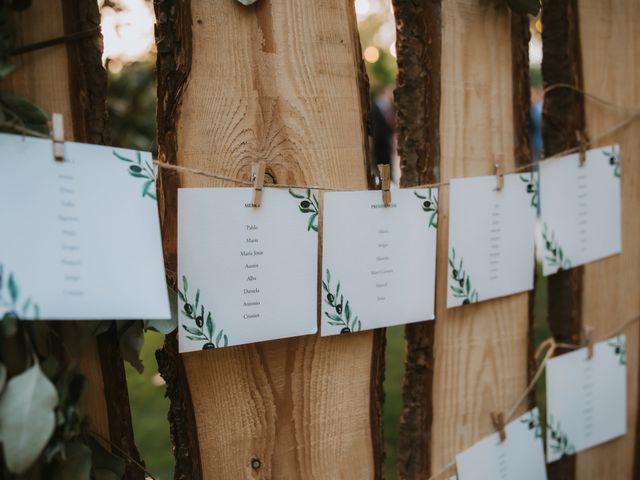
81 237
519 457
586 399
580 209
378 262
246 274
491 237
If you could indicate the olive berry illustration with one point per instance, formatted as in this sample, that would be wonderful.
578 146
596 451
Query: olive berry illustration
465 301
330 297
427 204
135 169
617 350
188 308
339 309
199 321
531 425
455 274
345 330
461 282
612 160
530 188
208 345
305 204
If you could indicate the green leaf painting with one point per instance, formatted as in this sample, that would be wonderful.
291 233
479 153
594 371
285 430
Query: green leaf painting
619 349
461 286
12 305
204 328
339 313
614 159
140 169
554 255
430 206
532 185
308 205
533 423
558 441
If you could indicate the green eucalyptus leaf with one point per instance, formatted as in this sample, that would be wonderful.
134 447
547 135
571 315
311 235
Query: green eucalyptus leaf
210 325
77 462
28 419
131 343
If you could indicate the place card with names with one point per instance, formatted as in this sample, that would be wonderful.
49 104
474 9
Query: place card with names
580 209
246 274
378 262
519 457
586 398
491 237
81 237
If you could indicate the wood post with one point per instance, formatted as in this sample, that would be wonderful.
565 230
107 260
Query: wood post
282 82
462 98
69 79
592 45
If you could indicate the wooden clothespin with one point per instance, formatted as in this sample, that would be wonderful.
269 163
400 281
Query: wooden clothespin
257 177
588 341
385 183
582 145
57 134
498 170
498 422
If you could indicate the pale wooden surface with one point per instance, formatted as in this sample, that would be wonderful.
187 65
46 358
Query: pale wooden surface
278 83
480 350
611 296
43 77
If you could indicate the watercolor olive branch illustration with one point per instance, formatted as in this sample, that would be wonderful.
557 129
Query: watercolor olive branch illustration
461 286
533 423
342 316
11 306
532 187
140 169
203 331
619 349
308 204
554 256
429 205
558 440
614 160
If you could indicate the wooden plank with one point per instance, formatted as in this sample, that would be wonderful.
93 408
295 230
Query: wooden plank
477 359
610 52
283 82
70 79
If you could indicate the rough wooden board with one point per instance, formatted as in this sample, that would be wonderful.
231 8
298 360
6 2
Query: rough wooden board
481 350
610 52
281 84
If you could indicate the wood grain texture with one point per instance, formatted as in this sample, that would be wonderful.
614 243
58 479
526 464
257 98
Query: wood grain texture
610 52
70 79
476 357
278 81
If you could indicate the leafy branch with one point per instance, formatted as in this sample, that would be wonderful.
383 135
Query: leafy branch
204 330
554 256
11 306
430 205
533 423
461 283
532 187
341 314
558 440
140 169
614 160
308 204
619 349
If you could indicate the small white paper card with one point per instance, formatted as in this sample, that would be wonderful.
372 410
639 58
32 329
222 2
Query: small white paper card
246 274
491 237
378 262
580 209
519 457
586 399
81 237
